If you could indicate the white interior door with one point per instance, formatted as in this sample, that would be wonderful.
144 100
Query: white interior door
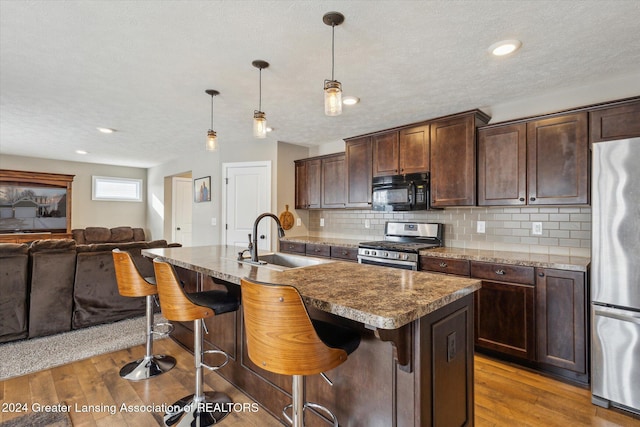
182 204
247 194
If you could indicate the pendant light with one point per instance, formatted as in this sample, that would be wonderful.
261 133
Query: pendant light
212 137
259 118
333 88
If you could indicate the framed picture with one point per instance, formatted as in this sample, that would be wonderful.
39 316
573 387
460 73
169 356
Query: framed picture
202 189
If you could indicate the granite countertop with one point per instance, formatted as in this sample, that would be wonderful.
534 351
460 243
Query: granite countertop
560 262
382 297
331 241
514 258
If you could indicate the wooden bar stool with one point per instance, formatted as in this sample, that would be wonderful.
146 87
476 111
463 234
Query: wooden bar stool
201 408
132 284
282 338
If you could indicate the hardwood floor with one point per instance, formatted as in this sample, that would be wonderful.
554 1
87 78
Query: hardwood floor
505 395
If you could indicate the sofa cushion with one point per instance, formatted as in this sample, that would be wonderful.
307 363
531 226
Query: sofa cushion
53 245
14 284
138 235
121 234
97 235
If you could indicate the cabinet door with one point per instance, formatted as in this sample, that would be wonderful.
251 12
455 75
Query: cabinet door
505 319
502 165
314 173
615 123
333 182
414 150
359 168
453 162
557 160
302 200
561 319
385 154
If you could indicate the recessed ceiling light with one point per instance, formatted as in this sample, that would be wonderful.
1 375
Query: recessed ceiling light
505 47
350 100
82 152
106 130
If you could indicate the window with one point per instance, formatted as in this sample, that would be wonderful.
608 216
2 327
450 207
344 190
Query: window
116 189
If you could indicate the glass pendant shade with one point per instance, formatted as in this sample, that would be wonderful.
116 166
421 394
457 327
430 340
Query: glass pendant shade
259 124
212 140
332 98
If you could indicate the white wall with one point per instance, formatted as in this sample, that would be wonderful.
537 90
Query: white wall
84 211
201 164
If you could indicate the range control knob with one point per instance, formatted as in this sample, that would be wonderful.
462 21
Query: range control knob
366 251
374 253
405 256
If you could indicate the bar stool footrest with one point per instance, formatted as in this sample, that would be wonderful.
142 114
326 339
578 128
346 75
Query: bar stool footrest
212 407
147 367
162 334
315 406
215 368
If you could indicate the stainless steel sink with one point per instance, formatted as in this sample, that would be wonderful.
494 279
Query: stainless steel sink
282 261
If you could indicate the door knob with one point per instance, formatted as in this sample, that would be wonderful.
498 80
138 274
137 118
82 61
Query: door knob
177 228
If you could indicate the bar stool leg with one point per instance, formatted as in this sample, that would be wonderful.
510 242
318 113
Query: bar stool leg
297 392
150 365
201 408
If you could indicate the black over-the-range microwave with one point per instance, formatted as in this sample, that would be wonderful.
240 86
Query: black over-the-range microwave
408 192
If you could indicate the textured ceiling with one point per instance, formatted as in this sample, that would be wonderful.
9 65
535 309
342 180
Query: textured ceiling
141 67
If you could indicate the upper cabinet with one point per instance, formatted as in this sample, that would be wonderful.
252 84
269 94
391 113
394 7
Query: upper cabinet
401 152
619 122
333 182
358 158
540 162
308 186
453 159
558 160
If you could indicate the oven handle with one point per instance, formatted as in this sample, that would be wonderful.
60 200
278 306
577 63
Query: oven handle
387 261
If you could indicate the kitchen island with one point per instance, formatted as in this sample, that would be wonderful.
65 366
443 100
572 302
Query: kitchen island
414 366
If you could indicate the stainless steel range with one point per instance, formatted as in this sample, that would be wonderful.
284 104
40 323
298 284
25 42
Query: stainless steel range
401 244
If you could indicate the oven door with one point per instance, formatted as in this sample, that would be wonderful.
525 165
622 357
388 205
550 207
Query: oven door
405 265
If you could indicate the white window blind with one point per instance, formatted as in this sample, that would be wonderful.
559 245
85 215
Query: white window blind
116 189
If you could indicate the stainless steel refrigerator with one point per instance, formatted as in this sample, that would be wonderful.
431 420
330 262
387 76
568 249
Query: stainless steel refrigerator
615 274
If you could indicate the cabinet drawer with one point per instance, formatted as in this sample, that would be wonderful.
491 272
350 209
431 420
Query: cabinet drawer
292 247
342 252
503 272
459 267
318 250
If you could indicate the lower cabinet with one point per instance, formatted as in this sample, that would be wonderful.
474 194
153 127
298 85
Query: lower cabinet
533 316
341 253
561 317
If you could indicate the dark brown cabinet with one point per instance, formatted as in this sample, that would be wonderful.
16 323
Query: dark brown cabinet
558 160
502 165
401 152
333 179
561 313
541 162
386 154
453 159
292 247
308 185
619 122
505 317
359 167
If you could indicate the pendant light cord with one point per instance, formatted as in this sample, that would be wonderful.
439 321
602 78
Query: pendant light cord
333 32
211 112
260 91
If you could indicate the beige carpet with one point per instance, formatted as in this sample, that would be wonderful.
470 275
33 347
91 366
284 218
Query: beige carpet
26 356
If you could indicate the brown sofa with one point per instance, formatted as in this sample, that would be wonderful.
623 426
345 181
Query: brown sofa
14 287
53 286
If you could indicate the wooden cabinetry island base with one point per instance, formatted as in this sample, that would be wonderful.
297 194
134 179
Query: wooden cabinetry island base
372 388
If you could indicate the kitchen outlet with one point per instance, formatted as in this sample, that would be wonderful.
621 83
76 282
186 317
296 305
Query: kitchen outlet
321 222
214 221
536 228
298 222
367 223
481 226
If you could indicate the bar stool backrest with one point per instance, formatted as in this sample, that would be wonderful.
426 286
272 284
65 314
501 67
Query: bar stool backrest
130 281
280 335
174 303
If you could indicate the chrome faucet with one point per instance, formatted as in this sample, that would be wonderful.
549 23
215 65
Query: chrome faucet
253 245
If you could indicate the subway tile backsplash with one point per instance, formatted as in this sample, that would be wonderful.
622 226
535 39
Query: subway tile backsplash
565 230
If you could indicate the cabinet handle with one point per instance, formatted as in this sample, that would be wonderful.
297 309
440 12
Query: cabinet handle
541 274
345 253
501 272
522 199
533 199
443 264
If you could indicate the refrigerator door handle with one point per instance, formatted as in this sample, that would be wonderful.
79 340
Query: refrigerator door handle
615 313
